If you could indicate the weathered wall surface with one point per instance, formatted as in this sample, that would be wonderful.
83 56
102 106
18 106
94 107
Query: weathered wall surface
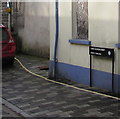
3 14
33 29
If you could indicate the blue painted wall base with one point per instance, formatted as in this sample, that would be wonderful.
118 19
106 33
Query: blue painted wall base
100 79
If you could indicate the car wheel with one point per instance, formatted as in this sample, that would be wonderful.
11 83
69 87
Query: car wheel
11 61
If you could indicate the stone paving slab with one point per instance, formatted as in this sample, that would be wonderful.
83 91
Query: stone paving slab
40 98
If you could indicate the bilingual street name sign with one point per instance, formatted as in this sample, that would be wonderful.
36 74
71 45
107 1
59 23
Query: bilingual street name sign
99 51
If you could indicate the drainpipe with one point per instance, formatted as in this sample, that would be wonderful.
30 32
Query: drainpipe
9 17
56 36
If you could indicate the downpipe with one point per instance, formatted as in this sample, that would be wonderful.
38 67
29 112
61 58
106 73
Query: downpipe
56 37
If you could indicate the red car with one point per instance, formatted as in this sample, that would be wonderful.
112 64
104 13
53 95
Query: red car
8 46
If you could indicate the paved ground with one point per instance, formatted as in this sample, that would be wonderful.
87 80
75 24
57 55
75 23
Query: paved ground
40 98
7 112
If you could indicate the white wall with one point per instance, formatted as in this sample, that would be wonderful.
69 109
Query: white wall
67 53
65 31
104 31
52 29
36 32
119 61
103 23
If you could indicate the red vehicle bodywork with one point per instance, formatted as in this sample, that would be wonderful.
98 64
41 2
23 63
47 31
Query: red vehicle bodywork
8 48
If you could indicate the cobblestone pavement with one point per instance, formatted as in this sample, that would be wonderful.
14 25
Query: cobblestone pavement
40 98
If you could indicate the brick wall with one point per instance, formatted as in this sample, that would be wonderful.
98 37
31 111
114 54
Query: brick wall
3 14
0 12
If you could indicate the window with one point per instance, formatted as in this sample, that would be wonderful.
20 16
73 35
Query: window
80 20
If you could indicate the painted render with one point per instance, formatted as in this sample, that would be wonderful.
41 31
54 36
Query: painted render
103 32
35 30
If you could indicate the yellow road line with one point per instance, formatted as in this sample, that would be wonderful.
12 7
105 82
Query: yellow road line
81 89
